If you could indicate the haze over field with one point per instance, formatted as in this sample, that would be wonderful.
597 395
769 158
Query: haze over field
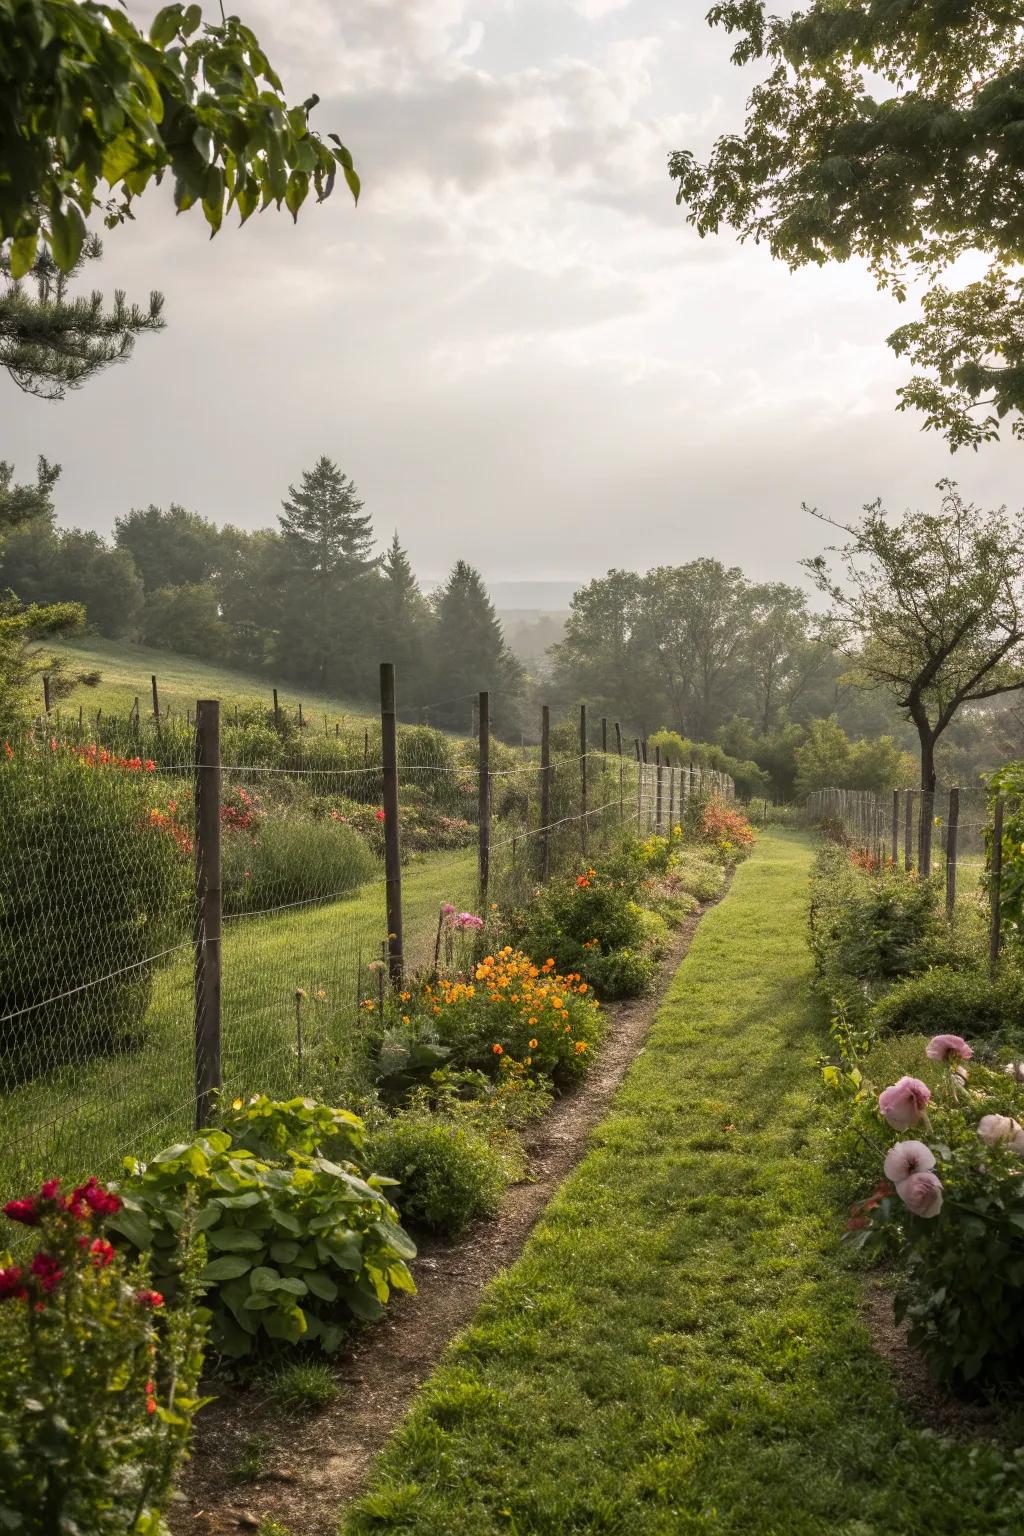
516 345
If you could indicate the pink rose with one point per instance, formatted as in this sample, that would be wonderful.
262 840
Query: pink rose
921 1193
908 1157
904 1103
996 1128
945 1047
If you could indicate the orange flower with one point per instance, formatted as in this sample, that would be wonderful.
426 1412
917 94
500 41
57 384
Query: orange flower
581 1046
583 986
499 1050
533 1045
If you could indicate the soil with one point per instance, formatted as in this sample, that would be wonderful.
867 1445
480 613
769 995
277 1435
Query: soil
316 1461
928 1402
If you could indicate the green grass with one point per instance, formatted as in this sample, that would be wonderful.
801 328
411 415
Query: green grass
86 1117
127 668
680 1349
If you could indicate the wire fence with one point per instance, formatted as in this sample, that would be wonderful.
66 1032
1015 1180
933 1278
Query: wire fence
181 916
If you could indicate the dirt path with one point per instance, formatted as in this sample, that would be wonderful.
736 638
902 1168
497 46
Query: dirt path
318 1461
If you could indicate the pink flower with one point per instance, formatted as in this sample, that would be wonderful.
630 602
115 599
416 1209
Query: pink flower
908 1157
23 1211
921 1193
995 1128
48 1191
447 910
468 920
945 1047
904 1103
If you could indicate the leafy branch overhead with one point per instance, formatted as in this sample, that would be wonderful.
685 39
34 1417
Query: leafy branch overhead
889 132
91 112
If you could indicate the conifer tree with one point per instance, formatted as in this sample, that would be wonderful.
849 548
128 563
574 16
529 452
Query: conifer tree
405 623
328 543
469 648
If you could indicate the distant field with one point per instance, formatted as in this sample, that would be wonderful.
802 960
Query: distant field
126 670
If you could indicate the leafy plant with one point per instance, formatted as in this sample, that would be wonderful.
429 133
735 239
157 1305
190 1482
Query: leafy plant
298 1385
300 1243
590 925
291 859
448 1174
98 1386
955 1002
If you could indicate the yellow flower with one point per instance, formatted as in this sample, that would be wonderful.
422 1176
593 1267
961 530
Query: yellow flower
533 1043
581 1046
236 1103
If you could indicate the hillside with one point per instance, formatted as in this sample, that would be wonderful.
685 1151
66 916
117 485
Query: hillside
126 669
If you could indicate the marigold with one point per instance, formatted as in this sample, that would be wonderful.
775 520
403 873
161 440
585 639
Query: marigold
499 1050
533 1043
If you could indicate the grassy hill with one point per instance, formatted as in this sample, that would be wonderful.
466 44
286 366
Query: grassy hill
126 669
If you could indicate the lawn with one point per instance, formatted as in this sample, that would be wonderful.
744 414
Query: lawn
126 670
87 1116
680 1348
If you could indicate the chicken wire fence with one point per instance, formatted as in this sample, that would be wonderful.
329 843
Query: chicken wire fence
124 939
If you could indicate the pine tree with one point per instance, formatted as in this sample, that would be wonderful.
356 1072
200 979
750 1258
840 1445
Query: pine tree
405 624
469 648
328 542
51 343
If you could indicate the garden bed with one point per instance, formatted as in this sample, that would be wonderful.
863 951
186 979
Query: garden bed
304 1467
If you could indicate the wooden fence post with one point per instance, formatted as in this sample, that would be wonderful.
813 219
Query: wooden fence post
639 784
671 798
392 841
484 799
46 693
658 786
277 712
895 826
952 829
207 918
583 776
995 883
156 696
908 830
604 735
622 773
545 794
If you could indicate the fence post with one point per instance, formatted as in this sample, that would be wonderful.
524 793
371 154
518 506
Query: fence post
301 721
671 798
622 773
639 785
46 693
484 788
583 775
206 931
545 794
604 735
657 790
908 830
277 712
924 832
895 826
952 829
995 884
392 844
156 696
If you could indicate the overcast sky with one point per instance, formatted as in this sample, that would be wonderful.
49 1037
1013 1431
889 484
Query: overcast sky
515 345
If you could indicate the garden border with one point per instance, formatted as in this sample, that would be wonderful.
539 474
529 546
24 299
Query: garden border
326 1458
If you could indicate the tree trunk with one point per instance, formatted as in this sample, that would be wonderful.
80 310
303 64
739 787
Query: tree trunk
924 840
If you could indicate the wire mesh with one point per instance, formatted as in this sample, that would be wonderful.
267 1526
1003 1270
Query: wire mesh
100 926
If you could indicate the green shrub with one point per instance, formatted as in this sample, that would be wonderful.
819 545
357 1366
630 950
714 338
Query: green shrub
696 876
448 1175
947 1001
97 1386
288 860
92 887
300 1243
591 926
870 929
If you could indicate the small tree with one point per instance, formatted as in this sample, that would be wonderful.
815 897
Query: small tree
932 609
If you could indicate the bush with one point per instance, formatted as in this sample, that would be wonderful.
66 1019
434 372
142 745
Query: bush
954 1201
96 880
947 1001
696 876
97 1390
871 929
288 860
592 927
448 1175
300 1242
723 829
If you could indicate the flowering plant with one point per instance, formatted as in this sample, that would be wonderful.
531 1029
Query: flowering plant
592 925
727 830
953 1198
98 1387
509 1017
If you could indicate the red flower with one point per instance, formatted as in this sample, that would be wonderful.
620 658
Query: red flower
379 815
46 1270
24 1211
8 749
48 1191
149 1298
12 1284
102 1202
102 1252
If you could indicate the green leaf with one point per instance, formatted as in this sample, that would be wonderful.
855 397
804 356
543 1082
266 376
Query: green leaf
191 19
165 24
23 254
230 1267
234 1240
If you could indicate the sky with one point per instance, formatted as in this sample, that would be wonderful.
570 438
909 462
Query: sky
515 345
